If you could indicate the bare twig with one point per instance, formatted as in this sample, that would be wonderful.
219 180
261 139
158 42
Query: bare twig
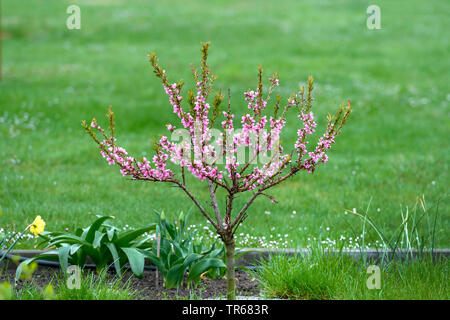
214 202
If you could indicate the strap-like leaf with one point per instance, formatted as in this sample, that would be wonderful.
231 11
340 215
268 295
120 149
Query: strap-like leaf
191 258
124 239
156 261
111 233
136 261
63 255
49 255
67 238
94 227
98 239
175 276
144 243
203 266
74 248
112 248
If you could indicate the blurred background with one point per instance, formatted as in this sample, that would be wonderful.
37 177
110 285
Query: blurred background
394 148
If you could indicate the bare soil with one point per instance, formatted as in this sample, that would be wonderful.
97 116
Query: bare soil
149 288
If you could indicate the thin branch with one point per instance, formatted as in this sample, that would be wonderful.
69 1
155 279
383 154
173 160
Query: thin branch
244 209
183 176
214 202
270 197
190 195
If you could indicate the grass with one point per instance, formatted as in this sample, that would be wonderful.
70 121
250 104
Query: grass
393 149
92 287
320 276
323 274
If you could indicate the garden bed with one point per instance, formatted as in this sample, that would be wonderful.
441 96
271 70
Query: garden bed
253 255
311 275
149 288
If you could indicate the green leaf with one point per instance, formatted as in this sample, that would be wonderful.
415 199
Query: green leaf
216 253
156 261
49 255
212 252
179 251
191 258
74 248
171 230
67 238
175 276
125 238
111 232
174 259
95 226
63 255
98 239
145 243
112 248
136 261
203 266
85 232
78 232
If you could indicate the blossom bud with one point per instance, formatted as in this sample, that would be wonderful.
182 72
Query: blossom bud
181 217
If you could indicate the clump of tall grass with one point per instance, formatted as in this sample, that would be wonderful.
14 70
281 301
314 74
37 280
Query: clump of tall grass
416 234
314 276
324 274
93 286
97 286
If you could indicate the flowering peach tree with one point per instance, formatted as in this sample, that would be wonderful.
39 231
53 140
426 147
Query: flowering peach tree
249 159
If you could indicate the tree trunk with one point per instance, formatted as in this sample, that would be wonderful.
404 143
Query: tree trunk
231 282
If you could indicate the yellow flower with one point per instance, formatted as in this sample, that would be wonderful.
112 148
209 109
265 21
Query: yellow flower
38 225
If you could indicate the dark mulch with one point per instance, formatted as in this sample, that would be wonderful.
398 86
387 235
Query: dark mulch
149 288
207 289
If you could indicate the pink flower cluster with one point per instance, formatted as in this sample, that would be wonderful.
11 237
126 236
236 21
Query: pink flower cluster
309 126
174 96
197 125
262 142
261 176
129 167
318 155
255 101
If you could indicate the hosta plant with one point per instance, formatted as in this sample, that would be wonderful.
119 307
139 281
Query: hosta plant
103 243
238 161
177 253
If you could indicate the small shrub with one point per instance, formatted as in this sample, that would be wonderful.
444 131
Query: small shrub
219 158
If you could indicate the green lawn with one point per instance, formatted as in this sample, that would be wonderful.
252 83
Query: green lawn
394 149
324 277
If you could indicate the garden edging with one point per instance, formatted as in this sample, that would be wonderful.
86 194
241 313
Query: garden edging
253 255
